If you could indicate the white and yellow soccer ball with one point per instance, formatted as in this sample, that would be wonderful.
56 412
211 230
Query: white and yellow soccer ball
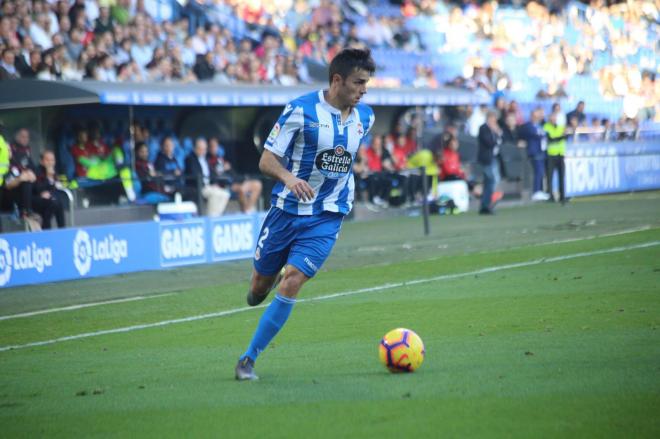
401 350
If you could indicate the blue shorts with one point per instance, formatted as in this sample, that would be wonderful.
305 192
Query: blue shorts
302 241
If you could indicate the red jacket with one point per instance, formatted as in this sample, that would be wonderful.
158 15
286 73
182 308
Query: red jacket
90 149
451 164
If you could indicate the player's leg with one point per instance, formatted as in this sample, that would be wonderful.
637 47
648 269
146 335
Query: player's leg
307 253
272 320
261 285
270 255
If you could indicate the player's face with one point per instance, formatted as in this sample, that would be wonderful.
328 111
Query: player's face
354 87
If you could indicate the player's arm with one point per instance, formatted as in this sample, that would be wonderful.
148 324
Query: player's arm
271 165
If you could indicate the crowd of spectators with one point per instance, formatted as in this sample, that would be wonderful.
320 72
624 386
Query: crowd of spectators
39 193
385 170
266 42
202 174
612 43
128 41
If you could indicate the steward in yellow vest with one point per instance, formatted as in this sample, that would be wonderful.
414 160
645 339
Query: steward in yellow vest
556 152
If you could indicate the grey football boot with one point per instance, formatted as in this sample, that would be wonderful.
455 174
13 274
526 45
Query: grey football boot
245 370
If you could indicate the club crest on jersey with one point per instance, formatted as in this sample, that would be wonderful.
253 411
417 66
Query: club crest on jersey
360 129
334 163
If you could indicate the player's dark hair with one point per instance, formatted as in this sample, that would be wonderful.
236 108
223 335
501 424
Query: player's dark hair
349 60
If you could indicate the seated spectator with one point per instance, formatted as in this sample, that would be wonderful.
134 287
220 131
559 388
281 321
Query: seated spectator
247 190
7 66
96 164
360 173
90 157
596 133
379 163
18 182
450 162
51 199
400 152
168 168
146 172
198 181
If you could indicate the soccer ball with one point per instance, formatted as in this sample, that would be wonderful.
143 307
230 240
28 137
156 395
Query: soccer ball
401 350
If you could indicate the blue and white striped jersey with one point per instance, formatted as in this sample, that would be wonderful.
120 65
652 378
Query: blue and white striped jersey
320 149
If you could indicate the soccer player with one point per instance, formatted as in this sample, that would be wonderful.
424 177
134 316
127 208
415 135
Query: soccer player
310 152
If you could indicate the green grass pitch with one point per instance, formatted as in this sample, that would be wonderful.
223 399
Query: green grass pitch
564 344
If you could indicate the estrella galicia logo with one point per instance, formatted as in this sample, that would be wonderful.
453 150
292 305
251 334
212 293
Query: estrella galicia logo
82 252
334 163
5 262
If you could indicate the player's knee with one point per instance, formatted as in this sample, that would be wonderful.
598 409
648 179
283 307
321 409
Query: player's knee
292 281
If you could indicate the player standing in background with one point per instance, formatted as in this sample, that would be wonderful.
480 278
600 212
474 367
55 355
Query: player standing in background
310 152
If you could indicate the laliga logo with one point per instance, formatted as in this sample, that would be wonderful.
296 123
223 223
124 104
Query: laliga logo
29 258
5 262
86 250
82 252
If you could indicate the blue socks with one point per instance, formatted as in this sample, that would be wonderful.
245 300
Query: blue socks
270 324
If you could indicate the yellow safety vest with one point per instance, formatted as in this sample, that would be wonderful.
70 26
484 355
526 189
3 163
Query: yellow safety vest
555 147
4 159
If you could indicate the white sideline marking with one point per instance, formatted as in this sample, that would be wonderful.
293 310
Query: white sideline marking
335 295
81 306
136 298
590 237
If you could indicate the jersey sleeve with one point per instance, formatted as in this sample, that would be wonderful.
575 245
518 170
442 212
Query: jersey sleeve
285 130
371 120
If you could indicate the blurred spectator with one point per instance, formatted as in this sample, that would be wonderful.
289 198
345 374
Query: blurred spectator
375 32
424 77
19 181
198 181
168 168
30 69
559 115
476 119
247 190
379 163
146 171
535 139
509 128
361 173
490 139
7 67
400 151
450 162
596 130
577 113
203 68
47 190
104 22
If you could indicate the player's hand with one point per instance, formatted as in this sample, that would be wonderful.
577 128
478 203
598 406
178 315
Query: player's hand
300 188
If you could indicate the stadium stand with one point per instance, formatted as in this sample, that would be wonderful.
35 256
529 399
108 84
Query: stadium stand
521 57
